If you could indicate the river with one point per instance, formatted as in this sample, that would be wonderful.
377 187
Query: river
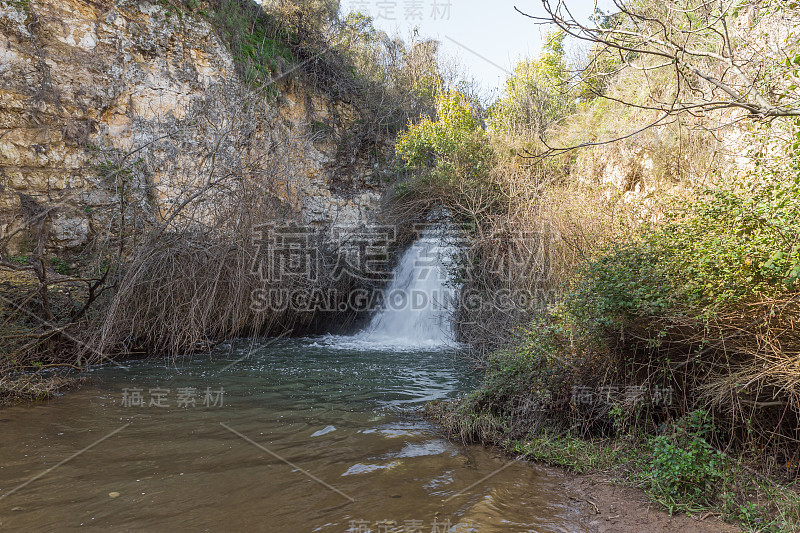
284 435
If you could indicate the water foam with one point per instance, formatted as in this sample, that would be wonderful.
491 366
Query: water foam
418 304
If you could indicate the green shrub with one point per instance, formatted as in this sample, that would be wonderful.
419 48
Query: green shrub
734 245
536 94
59 265
254 37
451 149
520 381
686 470
450 158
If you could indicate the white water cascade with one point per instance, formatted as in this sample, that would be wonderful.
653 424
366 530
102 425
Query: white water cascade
417 306
418 301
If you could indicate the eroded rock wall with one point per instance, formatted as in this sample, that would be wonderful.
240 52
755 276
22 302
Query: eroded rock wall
106 105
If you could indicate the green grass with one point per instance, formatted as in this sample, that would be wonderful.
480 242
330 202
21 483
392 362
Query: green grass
578 455
251 36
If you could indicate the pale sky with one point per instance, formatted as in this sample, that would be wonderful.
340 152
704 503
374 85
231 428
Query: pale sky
469 29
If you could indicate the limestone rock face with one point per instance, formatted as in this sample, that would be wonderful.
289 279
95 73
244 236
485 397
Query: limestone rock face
110 104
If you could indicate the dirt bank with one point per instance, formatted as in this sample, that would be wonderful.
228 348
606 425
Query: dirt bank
607 508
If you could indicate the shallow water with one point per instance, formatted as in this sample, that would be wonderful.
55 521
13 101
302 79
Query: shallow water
309 436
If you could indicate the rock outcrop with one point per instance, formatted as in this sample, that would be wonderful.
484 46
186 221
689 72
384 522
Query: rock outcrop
109 104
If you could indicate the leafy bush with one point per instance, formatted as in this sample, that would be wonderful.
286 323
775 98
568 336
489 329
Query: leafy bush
536 94
735 245
450 149
686 470
450 154
740 244
530 370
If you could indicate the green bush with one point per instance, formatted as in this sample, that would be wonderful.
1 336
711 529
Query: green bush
536 94
59 265
449 150
527 370
734 245
686 470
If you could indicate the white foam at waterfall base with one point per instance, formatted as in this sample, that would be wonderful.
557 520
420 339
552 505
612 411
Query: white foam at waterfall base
418 305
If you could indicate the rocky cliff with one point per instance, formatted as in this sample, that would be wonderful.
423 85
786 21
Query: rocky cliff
117 113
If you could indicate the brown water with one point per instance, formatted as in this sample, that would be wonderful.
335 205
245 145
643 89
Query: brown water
343 418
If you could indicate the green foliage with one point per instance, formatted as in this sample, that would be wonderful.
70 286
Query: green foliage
528 370
686 470
59 265
451 151
749 243
531 376
256 40
536 95
625 282
777 513
749 515
734 245
359 26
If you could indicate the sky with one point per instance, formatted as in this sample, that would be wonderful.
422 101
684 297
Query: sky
487 37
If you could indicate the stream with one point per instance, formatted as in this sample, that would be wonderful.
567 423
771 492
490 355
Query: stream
337 441
285 435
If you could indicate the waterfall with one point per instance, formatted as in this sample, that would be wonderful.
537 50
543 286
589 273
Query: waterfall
418 301
417 304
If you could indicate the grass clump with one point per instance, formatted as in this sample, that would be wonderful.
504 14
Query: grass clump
678 468
257 39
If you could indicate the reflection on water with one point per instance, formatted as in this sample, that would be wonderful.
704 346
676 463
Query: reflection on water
310 427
